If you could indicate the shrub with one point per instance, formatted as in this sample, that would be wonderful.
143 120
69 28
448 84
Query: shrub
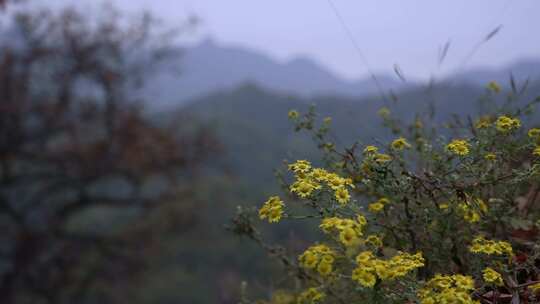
436 215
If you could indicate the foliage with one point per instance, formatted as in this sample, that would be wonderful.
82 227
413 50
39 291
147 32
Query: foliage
441 214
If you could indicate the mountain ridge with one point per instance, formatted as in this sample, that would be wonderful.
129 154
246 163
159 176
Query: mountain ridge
208 67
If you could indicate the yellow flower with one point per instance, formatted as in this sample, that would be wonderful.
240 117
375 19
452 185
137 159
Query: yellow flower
384 200
464 282
348 236
382 158
459 147
384 112
335 182
472 217
324 268
319 175
310 260
304 187
447 289
492 276
364 278
382 269
397 266
327 120
482 245
342 195
494 86
300 166
312 295
490 156
535 288
374 240
317 255
370 150
361 219
536 151
364 257
272 209
506 124
349 230
400 144
376 207
534 133
327 258
293 114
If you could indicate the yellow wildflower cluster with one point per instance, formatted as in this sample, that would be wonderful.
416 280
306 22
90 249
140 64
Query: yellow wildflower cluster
311 295
304 184
459 147
378 205
447 289
506 124
471 208
272 209
482 245
369 267
349 230
492 276
400 144
309 179
318 257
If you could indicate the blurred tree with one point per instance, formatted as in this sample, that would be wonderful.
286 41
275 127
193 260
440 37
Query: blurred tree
81 166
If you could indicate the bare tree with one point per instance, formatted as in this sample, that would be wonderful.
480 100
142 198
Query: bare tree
75 146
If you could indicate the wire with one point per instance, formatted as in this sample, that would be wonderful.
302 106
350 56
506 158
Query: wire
356 45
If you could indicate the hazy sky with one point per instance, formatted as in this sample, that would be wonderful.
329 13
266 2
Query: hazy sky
408 33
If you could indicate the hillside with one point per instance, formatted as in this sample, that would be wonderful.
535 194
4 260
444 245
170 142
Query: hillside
253 126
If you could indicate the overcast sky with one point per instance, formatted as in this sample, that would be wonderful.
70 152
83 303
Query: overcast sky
406 32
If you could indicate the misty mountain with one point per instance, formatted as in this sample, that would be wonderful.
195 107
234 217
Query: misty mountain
209 67
521 70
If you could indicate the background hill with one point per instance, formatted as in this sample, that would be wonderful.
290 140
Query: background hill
252 123
521 70
209 67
